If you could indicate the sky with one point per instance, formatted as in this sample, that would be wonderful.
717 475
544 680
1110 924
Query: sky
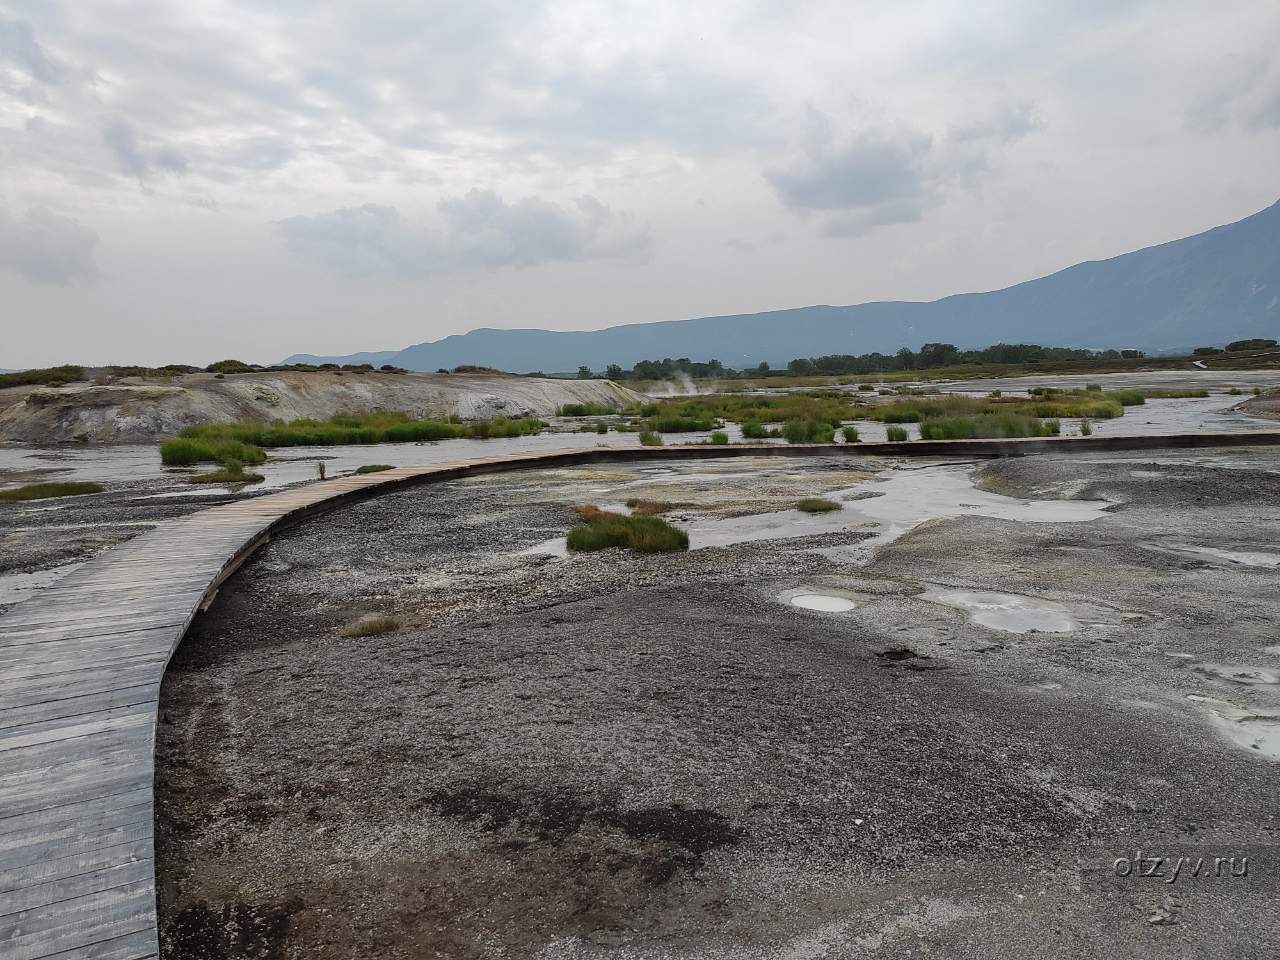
182 182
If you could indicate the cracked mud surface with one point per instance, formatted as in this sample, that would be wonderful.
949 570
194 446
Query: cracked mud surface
654 756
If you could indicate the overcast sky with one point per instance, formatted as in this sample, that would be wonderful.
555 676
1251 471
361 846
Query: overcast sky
190 180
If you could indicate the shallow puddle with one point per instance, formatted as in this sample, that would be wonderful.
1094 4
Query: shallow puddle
901 500
822 602
16 587
1247 676
1247 728
1009 612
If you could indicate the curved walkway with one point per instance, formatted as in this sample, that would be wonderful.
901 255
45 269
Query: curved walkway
81 664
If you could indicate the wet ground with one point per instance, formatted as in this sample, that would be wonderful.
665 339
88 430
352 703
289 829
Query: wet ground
996 732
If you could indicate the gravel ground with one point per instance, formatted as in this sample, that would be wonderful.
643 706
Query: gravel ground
652 756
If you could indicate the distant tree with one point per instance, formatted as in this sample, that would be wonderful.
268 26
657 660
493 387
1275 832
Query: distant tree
1256 344
236 366
584 373
801 366
906 359
939 354
1206 351
1133 354
764 367
614 371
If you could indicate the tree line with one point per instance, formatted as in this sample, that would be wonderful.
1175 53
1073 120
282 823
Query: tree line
929 356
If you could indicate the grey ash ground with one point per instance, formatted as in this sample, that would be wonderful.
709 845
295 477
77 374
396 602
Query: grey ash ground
645 757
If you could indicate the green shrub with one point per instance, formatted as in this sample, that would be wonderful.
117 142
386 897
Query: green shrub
1086 428
1235 391
650 439
601 427
850 434
643 533
996 394
896 434
866 386
46 491
818 505
373 467
754 430
1093 387
718 437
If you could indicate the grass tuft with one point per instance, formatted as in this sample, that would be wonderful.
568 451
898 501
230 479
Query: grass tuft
718 437
650 439
818 505
46 491
373 467
896 434
643 533
850 434
371 627
644 507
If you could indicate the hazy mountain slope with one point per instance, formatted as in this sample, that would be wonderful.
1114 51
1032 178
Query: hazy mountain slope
1220 285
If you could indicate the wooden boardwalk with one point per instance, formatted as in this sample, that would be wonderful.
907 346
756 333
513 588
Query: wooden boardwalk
80 670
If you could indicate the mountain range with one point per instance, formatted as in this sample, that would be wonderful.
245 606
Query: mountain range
1207 289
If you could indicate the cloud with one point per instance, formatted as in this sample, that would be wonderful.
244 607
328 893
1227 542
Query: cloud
891 173
47 248
1009 123
18 46
873 177
477 230
122 141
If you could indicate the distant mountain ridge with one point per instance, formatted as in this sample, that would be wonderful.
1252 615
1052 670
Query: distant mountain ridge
1216 286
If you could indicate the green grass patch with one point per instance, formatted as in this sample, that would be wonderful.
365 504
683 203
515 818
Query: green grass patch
808 431
986 426
896 434
850 434
718 437
186 451
818 505
47 491
371 627
650 439
830 406
1175 394
373 467
219 442
45 376
1044 402
643 533
1128 398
